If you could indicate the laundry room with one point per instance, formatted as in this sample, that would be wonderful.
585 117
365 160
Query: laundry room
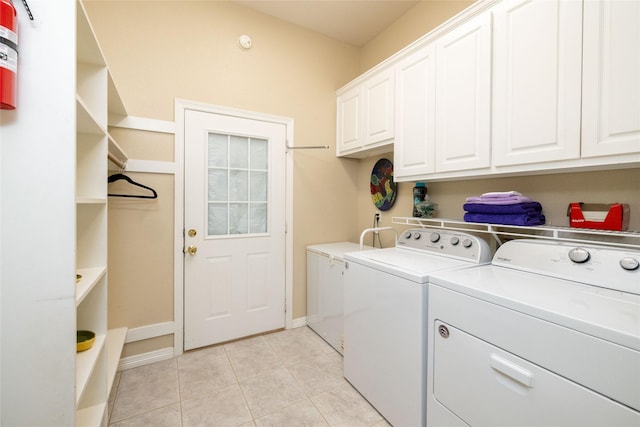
115 221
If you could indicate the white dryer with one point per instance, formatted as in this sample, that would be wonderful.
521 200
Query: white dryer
547 335
385 317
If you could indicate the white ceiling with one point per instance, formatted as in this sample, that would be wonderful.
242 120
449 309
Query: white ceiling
352 21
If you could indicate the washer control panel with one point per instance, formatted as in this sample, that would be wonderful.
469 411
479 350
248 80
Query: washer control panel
446 242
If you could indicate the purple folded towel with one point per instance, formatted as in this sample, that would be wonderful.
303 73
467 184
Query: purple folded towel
511 200
516 208
506 219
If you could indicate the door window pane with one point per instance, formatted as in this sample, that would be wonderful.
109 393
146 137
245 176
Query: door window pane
239 152
238 218
217 185
239 188
217 150
258 215
259 154
217 219
258 186
237 185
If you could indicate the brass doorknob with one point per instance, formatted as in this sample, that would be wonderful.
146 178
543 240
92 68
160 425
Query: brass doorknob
191 250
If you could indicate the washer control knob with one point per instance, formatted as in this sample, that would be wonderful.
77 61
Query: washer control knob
434 237
467 243
407 235
579 255
629 263
454 241
417 236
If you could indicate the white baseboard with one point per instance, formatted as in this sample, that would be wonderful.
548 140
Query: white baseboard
145 358
150 331
300 321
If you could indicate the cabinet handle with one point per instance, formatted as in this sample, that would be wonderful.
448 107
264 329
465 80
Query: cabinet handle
512 370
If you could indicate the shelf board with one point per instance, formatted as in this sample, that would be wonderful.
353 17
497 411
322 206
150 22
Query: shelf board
91 200
86 363
115 150
88 49
115 343
114 102
91 416
85 120
90 277
628 239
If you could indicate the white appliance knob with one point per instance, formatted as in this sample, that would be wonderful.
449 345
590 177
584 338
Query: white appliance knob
629 263
434 237
579 255
407 235
417 236
455 241
467 243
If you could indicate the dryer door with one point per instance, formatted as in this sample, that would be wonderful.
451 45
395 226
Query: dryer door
486 386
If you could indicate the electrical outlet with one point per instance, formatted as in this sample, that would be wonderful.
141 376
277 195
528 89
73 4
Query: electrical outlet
378 218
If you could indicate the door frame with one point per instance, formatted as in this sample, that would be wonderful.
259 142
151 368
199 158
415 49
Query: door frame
181 105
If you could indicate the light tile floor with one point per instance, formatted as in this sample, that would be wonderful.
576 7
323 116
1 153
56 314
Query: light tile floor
288 378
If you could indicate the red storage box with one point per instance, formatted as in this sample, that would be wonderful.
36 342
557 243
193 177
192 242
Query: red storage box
600 216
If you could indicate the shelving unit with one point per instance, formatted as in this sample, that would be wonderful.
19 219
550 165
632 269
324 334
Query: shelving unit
96 96
628 239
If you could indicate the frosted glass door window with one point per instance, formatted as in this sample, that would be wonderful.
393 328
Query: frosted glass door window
238 182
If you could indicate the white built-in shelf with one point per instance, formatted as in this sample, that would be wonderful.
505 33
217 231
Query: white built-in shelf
115 343
86 361
115 104
90 277
91 416
629 239
117 152
85 120
90 200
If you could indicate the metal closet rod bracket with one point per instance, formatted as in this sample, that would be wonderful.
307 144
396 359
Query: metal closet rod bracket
308 147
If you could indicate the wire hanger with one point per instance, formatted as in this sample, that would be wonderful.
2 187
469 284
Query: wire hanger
119 176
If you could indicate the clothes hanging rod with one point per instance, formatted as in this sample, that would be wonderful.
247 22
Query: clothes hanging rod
308 147
116 161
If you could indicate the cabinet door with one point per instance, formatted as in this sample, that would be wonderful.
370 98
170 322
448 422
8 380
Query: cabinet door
414 144
536 81
378 108
463 96
611 85
348 122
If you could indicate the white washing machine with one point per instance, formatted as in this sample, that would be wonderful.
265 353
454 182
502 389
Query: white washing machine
325 268
385 317
546 335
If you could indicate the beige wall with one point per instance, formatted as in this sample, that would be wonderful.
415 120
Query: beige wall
162 50
418 21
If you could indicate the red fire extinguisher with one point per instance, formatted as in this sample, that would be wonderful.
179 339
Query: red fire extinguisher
8 55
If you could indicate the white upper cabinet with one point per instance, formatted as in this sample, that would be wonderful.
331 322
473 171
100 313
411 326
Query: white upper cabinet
536 81
415 114
611 78
507 87
365 122
349 121
379 108
463 97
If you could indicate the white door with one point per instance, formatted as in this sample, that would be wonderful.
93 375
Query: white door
234 215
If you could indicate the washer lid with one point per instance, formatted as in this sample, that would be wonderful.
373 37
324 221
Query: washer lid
411 265
608 314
